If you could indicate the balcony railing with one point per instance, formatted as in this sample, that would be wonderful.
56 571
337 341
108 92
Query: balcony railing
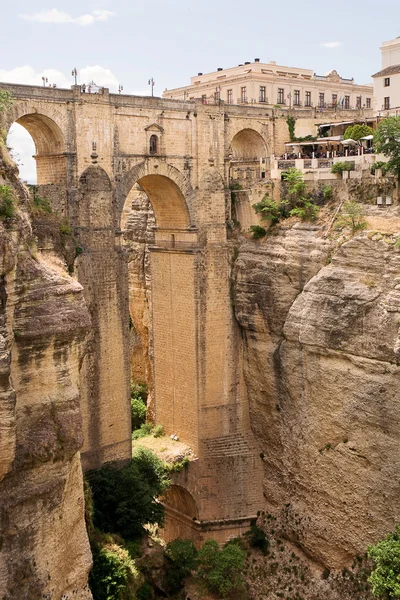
263 100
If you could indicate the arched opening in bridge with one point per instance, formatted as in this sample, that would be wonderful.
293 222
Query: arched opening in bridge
156 233
37 143
22 150
181 514
248 145
49 145
247 156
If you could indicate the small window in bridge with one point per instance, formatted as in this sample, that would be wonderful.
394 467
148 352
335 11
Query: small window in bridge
153 144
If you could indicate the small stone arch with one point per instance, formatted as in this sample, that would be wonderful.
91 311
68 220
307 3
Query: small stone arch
168 190
95 198
179 499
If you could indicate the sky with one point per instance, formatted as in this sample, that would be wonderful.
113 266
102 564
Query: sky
121 42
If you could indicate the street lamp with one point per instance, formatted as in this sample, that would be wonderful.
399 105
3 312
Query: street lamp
120 89
74 74
152 82
45 81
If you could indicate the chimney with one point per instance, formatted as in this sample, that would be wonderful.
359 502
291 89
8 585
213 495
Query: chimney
220 69
256 60
247 63
198 74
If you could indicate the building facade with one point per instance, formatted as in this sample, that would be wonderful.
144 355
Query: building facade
270 84
387 80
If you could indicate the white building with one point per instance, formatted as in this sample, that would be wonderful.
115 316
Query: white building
270 84
387 81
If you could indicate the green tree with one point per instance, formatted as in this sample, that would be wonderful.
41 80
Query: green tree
124 499
181 555
352 216
387 142
113 574
385 578
139 394
269 210
356 132
221 569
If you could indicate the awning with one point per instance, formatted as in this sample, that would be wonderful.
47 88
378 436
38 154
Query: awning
333 124
317 142
367 137
349 142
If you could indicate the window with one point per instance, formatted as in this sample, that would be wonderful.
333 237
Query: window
347 101
308 98
296 98
217 95
204 99
153 144
243 96
281 94
334 99
229 97
262 93
386 83
321 100
386 103
358 102
368 102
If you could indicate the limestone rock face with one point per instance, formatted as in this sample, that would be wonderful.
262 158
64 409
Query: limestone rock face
45 551
321 348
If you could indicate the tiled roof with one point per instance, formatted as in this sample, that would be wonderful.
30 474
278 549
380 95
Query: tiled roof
388 71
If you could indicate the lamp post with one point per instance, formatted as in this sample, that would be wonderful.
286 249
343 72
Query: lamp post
120 88
74 74
45 81
152 83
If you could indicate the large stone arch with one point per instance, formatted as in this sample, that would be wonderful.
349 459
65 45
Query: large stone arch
248 144
95 198
169 191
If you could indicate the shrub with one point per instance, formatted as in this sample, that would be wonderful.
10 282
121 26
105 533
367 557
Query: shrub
269 210
158 431
327 192
6 100
258 232
112 575
139 390
138 413
385 577
124 499
7 206
307 212
221 569
379 164
145 592
339 167
144 430
182 558
352 216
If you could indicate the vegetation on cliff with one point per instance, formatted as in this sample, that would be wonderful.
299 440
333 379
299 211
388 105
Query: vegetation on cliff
387 142
385 577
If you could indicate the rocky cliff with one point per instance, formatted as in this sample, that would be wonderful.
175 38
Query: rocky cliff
44 547
321 350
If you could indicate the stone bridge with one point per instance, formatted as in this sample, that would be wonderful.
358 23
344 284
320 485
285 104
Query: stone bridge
92 151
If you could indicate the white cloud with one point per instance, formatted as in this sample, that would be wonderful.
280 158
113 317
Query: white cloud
100 75
29 76
331 44
57 16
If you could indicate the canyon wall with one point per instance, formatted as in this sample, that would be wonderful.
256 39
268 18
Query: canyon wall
44 547
321 351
